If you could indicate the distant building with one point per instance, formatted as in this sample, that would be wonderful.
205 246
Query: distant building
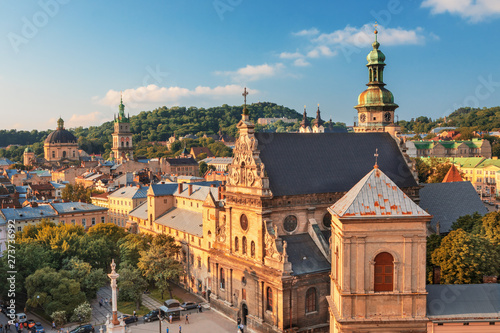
123 200
269 121
196 151
219 163
28 157
61 145
180 166
472 148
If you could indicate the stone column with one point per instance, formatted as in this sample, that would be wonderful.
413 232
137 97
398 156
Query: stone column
114 299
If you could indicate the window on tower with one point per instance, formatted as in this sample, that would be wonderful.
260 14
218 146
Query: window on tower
384 272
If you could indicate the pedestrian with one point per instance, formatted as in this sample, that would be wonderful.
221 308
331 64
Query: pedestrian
170 319
106 301
167 330
180 329
53 325
100 303
199 308
17 326
1 328
187 319
135 314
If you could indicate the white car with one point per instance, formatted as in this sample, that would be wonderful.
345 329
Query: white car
21 317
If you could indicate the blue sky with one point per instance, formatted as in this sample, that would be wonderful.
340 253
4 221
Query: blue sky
71 58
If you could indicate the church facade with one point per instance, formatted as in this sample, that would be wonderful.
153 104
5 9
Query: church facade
61 145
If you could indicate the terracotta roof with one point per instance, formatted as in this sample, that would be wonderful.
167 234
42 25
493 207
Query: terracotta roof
376 195
453 175
200 150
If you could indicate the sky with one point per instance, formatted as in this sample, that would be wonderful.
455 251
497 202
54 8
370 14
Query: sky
72 58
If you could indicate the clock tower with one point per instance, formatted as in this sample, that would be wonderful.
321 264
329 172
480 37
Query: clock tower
122 136
376 105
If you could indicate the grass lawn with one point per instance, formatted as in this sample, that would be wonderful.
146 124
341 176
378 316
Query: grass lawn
129 307
156 294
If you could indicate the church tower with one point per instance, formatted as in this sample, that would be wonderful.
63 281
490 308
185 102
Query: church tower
378 248
304 124
122 137
318 123
376 105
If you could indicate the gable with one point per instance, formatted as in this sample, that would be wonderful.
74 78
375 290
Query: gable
328 162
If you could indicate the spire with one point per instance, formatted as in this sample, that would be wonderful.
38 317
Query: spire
304 122
121 111
318 121
376 159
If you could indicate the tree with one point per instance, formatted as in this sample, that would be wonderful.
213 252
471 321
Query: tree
53 291
203 168
131 246
439 172
158 262
131 285
465 258
433 242
59 317
82 313
91 279
469 223
490 227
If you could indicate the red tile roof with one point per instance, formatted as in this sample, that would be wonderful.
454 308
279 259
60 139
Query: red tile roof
453 175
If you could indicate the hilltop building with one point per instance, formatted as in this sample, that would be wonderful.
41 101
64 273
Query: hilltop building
431 148
61 145
122 137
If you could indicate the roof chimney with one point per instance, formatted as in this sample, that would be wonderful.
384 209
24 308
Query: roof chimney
190 188
180 188
212 185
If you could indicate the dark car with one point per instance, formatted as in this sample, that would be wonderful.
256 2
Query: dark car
189 305
83 329
153 315
39 328
128 319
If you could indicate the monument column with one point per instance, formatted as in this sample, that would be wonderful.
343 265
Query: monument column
115 326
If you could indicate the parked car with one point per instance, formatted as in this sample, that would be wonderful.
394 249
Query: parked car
189 305
83 329
128 319
31 323
21 317
39 328
153 315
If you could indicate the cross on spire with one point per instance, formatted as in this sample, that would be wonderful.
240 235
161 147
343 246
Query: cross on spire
376 158
245 93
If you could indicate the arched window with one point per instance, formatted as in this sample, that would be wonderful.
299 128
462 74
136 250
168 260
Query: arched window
384 272
64 153
127 143
53 154
74 153
269 299
208 265
236 244
252 249
244 245
222 279
311 300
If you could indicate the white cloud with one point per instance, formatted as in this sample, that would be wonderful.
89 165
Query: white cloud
153 95
329 44
364 36
253 73
306 32
473 10
301 62
85 120
288 55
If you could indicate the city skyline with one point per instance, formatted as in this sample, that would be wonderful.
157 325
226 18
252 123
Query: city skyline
72 59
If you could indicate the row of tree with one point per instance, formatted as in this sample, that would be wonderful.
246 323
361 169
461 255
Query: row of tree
61 267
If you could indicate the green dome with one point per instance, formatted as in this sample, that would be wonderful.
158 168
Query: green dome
376 96
28 150
375 57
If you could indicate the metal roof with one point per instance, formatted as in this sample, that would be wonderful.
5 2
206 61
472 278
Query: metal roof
140 211
29 213
328 162
463 301
376 195
304 255
199 192
448 201
184 220
130 192
75 207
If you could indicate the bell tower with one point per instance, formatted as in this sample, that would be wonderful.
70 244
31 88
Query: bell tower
122 136
376 105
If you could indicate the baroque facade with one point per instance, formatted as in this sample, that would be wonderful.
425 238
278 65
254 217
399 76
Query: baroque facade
61 145
122 148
